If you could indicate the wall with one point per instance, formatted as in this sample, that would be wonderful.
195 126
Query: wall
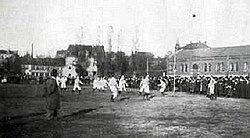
213 61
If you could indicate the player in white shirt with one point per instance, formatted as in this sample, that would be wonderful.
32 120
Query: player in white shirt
58 80
211 87
113 88
95 83
77 84
144 87
99 84
63 83
103 84
122 84
162 85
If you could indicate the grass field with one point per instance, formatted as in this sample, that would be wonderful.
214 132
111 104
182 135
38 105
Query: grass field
93 115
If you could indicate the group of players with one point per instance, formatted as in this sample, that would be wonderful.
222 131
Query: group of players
99 84
210 86
116 86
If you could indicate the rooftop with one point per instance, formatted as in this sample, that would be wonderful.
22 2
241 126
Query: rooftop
44 61
214 52
8 52
195 45
74 49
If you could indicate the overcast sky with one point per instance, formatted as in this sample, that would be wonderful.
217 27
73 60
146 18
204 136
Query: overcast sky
54 24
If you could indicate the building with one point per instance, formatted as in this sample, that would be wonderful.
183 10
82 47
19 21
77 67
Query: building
61 53
41 67
9 62
91 58
7 54
199 59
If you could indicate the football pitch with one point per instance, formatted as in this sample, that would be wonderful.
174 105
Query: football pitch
91 114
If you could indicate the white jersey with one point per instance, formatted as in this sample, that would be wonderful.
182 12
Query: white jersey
122 85
211 86
58 81
95 83
162 85
113 86
77 84
144 85
63 82
103 83
99 84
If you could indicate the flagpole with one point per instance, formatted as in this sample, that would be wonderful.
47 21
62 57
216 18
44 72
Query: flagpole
147 66
174 70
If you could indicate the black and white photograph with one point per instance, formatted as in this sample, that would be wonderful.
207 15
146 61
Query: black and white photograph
124 69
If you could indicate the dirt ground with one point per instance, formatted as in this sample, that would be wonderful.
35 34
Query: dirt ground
93 115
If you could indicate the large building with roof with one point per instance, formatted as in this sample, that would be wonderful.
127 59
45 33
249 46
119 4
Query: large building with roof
199 59
41 67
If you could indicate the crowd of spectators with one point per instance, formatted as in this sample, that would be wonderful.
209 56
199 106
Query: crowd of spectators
226 86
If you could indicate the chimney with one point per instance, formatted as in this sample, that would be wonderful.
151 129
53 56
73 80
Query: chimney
32 50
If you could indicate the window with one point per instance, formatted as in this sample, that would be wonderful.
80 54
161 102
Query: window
182 68
205 67
209 67
222 67
32 67
195 66
245 67
217 67
186 68
236 67
231 67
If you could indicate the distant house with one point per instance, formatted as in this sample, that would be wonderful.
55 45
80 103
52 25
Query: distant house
5 54
41 66
91 58
199 59
61 54
9 62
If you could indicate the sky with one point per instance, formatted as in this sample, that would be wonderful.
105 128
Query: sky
52 25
